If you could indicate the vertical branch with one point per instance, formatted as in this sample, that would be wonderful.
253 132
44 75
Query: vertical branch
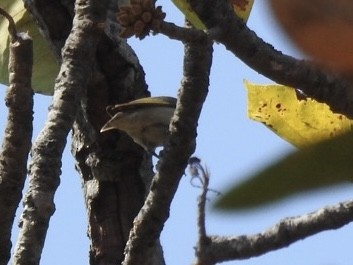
200 173
108 163
201 205
195 168
111 180
78 61
112 167
150 220
18 133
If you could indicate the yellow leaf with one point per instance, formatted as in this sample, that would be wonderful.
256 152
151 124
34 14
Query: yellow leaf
323 161
190 15
45 68
242 9
300 122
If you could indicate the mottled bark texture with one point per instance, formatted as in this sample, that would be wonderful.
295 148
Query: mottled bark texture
286 232
78 60
114 171
17 137
181 145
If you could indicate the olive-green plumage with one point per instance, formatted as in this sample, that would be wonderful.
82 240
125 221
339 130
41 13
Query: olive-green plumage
145 120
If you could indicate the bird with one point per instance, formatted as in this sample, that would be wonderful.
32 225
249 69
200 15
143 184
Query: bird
145 120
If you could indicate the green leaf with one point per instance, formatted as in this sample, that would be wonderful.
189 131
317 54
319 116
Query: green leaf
323 164
45 68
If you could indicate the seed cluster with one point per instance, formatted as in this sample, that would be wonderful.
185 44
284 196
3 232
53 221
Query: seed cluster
139 18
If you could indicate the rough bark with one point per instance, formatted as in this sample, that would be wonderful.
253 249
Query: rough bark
45 167
17 137
174 158
282 234
316 83
114 170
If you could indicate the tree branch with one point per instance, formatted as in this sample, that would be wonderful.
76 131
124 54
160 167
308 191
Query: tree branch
150 220
229 30
112 167
280 235
18 133
180 33
78 62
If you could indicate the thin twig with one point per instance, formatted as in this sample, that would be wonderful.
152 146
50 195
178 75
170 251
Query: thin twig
200 173
197 171
18 133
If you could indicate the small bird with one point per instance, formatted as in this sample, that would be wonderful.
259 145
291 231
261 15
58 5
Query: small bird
145 120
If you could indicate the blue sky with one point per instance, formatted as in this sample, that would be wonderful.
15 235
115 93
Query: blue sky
232 147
